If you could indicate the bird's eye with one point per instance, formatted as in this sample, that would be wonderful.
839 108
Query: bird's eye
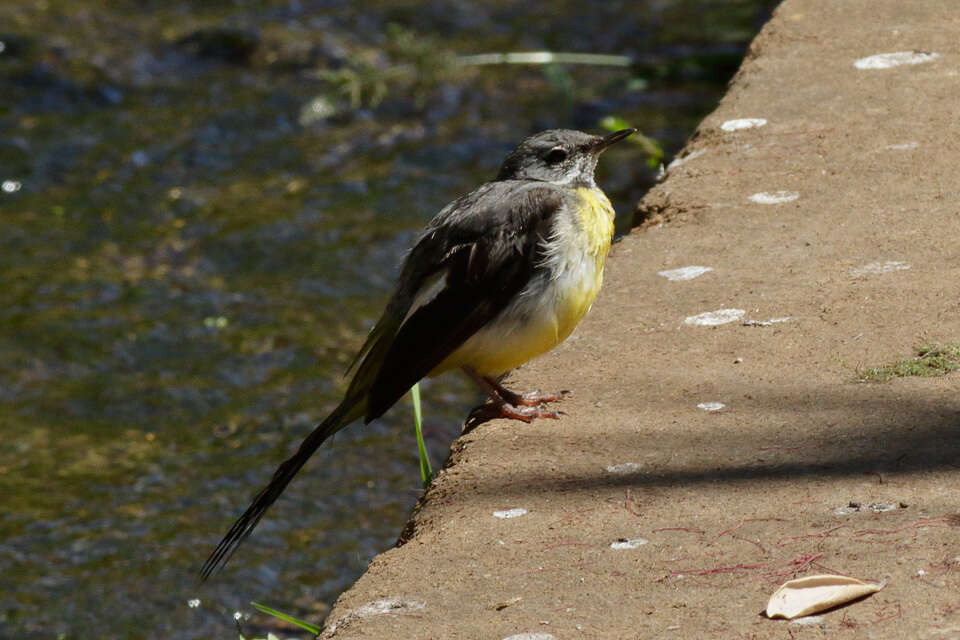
556 155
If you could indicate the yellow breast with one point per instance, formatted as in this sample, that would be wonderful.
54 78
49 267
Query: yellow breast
552 304
579 268
596 218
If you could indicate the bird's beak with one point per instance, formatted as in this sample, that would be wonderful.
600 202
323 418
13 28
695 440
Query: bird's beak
607 140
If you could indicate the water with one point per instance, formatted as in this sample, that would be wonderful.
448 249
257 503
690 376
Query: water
196 231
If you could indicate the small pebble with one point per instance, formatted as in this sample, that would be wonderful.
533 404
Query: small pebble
874 268
623 543
684 273
890 60
711 406
625 467
743 123
714 318
774 197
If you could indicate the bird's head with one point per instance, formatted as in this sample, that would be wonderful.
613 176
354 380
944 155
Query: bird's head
559 156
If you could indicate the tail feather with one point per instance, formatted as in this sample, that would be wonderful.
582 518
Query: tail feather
347 412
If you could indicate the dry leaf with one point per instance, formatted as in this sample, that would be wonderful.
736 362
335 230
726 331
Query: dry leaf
804 596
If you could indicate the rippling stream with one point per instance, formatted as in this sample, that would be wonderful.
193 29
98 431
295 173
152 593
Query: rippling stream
202 208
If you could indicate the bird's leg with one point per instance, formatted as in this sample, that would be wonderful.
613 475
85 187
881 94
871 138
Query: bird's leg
508 404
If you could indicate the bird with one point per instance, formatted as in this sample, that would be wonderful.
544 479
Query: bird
499 276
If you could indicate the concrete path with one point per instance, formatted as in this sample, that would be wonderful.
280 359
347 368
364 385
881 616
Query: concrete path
717 441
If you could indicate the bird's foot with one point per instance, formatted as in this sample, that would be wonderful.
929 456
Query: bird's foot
525 412
531 398
496 410
504 403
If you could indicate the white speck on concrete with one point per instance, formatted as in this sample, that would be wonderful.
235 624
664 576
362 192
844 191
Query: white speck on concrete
378 607
510 513
711 406
879 267
678 162
774 197
632 543
714 318
743 123
625 467
765 323
684 273
531 636
905 146
375 608
890 60
876 507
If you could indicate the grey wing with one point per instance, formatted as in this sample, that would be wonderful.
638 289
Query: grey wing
475 256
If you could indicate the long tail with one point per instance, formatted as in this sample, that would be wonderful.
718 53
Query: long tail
348 411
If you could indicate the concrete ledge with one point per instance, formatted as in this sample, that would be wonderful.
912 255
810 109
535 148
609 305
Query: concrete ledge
705 459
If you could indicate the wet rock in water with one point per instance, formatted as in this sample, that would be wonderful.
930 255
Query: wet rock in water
236 46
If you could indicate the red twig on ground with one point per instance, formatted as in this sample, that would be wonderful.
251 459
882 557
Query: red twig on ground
686 529
883 615
923 522
736 567
795 566
743 522
756 543
849 624
823 534
716 570
805 561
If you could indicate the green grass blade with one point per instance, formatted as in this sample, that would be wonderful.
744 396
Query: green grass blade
426 473
649 145
312 628
546 57
931 360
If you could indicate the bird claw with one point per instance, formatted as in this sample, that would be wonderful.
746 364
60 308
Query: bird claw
535 398
497 410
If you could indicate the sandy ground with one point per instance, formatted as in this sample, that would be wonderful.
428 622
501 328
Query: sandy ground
850 260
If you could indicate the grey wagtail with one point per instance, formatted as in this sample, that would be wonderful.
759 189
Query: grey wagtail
499 276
